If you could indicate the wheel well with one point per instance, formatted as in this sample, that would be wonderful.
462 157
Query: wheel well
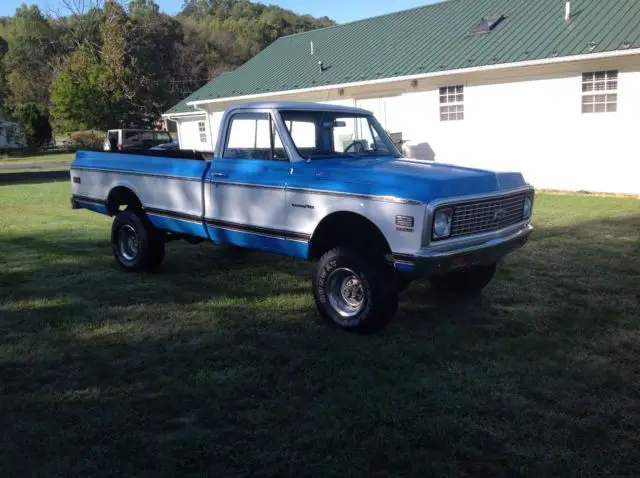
122 196
347 229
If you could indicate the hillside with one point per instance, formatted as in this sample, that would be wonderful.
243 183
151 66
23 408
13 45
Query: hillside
123 64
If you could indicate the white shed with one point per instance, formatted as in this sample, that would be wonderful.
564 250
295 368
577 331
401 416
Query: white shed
10 135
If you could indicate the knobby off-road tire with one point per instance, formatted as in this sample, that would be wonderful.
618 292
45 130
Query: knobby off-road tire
465 281
355 292
136 244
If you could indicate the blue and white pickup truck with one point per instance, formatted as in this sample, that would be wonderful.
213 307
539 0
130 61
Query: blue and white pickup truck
317 182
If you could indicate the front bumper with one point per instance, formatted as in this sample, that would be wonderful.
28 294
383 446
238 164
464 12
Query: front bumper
485 249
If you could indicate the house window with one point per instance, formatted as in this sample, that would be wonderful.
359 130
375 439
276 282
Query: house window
452 103
202 129
600 92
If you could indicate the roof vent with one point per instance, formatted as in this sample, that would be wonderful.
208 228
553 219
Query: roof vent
486 24
567 11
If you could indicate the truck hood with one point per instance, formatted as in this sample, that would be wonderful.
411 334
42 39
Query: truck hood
411 178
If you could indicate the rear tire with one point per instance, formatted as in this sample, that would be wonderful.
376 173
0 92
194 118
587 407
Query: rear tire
136 244
465 281
354 291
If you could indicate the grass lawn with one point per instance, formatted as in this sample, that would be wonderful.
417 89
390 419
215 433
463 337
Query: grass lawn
218 365
38 158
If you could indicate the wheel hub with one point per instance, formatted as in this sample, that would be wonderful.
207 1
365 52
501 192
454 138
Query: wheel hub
346 292
352 291
128 242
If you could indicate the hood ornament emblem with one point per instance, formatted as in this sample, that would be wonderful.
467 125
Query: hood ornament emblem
499 215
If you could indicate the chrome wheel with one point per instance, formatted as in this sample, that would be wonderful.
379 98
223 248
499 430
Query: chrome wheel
345 291
128 242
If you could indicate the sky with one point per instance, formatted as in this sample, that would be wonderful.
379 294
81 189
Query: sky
341 11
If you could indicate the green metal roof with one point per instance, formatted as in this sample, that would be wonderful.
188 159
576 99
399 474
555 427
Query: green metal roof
430 39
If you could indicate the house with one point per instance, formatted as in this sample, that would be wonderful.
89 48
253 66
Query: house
10 135
550 88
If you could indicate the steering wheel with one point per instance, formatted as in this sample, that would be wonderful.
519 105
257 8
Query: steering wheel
357 146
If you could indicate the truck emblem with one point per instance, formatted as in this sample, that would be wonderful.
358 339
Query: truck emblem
499 215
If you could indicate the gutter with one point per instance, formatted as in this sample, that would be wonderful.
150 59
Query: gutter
171 116
475 69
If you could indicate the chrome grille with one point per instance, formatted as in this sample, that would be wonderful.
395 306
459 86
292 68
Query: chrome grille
486 215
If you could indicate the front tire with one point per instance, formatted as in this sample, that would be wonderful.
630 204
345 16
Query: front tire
355 292
136 244
465 281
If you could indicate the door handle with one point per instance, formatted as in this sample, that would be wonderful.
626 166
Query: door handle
220 175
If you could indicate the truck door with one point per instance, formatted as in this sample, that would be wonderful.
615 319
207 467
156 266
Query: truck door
247 180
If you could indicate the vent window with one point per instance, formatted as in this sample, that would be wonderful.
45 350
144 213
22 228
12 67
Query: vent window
486 24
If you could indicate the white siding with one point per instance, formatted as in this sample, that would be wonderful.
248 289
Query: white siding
526 119
189 134
536 126
214 127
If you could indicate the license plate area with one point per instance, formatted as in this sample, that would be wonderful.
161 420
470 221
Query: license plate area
463 261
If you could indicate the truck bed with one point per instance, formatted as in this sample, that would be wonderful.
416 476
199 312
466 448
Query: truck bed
168 184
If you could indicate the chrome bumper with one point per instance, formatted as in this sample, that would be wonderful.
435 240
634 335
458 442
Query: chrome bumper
485 249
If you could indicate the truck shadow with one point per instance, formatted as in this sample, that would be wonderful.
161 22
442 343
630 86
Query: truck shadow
219 365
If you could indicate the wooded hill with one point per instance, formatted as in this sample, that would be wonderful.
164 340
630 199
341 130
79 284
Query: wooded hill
121 65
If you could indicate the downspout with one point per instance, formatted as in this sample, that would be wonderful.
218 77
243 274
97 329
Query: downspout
169 118
207 125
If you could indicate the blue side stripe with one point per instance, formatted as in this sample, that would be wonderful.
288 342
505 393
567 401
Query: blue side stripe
260 242
405 267
99 208
178 225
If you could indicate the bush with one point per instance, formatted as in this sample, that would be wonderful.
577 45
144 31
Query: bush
34 120
86 139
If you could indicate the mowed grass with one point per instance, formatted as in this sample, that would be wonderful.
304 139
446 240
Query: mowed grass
37 158
218 365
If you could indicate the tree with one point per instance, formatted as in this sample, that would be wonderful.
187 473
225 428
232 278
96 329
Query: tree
4 47
34 123
30 56
78 99
101 64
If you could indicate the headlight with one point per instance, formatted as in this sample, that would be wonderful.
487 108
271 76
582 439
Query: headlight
526 209
442 223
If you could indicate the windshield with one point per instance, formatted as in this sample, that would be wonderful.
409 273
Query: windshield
326 134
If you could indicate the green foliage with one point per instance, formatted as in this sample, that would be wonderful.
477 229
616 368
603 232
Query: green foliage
87 139
4 48
34 123
29 57
122 67
77 94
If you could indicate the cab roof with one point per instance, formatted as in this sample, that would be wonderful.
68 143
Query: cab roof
298 106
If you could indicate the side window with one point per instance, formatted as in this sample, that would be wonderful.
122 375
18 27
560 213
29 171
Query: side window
303 133
253 136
